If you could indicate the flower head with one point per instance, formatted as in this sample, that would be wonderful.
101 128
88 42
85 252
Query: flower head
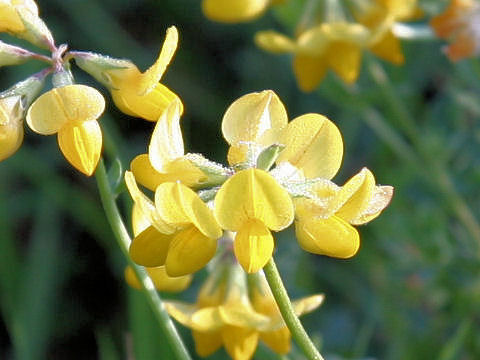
460 25
231 314
71 112
134 93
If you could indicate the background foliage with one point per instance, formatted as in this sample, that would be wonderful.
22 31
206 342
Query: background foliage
412 292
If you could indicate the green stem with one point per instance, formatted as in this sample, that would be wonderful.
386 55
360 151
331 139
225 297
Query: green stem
148 289
288 313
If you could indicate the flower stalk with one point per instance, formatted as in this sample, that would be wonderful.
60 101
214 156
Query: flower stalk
288 313
123 239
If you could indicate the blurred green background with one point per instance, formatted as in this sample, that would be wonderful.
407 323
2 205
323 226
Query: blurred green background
413 290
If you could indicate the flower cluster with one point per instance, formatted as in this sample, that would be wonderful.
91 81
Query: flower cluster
460 24
71 110
279 172
236 312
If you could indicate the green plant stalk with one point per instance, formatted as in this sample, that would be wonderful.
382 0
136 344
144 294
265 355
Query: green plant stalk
288 313
148 289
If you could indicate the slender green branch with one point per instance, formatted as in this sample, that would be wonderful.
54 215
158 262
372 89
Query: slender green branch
148 289
288 313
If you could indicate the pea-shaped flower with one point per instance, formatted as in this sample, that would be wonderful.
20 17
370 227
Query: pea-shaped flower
133 92
251 203
71 112
234 11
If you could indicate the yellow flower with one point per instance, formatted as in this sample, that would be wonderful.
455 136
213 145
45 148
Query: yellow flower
11 125
380 16
184 233
166 159
20 18
335 45
251 203
134 93
159 276
71 112
224 315
459 24
234 11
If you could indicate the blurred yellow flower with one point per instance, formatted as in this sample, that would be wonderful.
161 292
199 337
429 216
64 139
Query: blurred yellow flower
71 112
336 45
224 315
134 93
184 233
460 25
11 125
234 11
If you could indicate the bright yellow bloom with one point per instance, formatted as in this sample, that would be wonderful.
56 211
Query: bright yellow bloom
324 222
135 93
11 125
380 16
235 11
166 159
71 112
159 276
184 233
251 203
460 24
225 316
336 45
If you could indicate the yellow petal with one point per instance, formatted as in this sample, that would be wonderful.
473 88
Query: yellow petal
166 143
152 76
206 342
234 10
207 319
58 106
189 251
332 237
160 279
253 246
256 117
274 42
150 247
146 205
253 194
307 304
313 144
139 221
388 48
180 206
181 312
11 126
240 343
382 196
242 315
81 143
355 195
149 106
345 58
309 71
277 340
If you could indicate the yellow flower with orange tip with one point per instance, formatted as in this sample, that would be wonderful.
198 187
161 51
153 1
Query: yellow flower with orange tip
159 276
166 160
235 11
71 112
335 45
460 25
11 125
134 93
184 233
225 315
